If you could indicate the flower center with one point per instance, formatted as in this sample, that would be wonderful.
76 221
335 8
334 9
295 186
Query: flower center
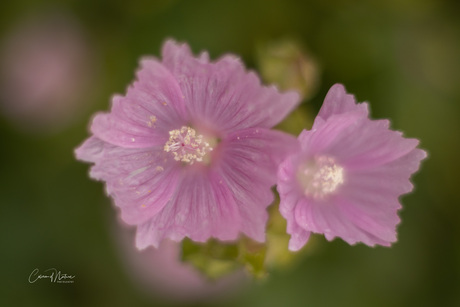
186 145
320 176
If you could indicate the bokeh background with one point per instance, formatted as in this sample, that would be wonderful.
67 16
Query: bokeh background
61 61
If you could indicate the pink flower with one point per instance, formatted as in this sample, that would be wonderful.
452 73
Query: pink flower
189 151
46 72
159 272
346 178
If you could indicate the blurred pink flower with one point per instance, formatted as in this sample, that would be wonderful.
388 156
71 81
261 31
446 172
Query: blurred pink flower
346 178
189 151
161 273
45 72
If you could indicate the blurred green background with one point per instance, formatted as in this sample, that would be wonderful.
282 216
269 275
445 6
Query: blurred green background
403 56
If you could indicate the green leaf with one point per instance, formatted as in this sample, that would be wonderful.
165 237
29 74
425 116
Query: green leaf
252 256
214 259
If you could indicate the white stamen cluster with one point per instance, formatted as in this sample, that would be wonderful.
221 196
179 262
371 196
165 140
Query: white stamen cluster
186 145
321 176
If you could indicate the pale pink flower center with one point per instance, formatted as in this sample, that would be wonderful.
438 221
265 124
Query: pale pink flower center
320 176
186 146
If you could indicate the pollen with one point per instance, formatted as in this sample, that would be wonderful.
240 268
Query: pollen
152 120
186 145
320 177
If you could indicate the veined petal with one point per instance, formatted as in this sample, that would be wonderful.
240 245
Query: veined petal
290 193
157 91
337 137
327 219
152 106
149 192
299 236
287 184
370 199
337 102
377 218
91 150
264 146
376 145
223 93
141 180
249 164
319 140
201 208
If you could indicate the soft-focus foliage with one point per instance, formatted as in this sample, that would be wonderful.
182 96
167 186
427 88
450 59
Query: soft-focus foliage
402 56
288 65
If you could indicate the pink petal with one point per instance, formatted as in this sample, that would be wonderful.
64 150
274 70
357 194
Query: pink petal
337 102
327 218
223 93
141 180
202 207
356 142
287 186
375 217
365 210
143 198
249 164
290 195
157 91
299 236
91 150
392 178
374 146
153 106
371 197
319 140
